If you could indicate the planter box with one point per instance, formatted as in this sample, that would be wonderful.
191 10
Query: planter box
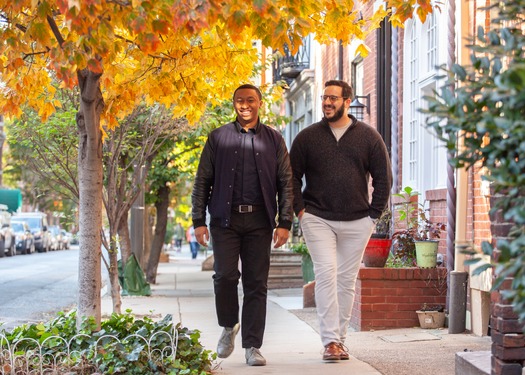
389 297
285 270
431 319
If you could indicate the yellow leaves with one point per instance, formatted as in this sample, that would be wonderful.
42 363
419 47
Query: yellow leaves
182 53
46 110
403 10
363 50
40 32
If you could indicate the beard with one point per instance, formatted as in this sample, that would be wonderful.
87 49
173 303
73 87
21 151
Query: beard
338 114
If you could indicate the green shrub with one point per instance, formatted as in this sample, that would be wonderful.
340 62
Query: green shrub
300 248
124 345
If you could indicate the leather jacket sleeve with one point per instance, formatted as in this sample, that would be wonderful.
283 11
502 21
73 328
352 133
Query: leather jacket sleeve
202 186
284 188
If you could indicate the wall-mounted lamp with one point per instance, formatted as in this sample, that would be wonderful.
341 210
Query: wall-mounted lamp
357 109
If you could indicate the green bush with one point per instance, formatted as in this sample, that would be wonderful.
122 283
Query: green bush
120 347
300 248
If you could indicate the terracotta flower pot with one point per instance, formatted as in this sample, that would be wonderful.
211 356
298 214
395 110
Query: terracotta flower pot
376 252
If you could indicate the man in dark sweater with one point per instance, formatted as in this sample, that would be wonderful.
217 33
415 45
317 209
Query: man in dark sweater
244 180
337 156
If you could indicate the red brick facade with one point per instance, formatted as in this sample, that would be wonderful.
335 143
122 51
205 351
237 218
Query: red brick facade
389 297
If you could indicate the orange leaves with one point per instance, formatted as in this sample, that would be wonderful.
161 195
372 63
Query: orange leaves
95 65
138 25
160 26
15 64
182 53
191 15
149 42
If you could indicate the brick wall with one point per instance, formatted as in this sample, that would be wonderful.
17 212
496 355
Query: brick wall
508 342
437 200
389 297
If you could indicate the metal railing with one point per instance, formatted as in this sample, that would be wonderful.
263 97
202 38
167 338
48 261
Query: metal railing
35 357
289 66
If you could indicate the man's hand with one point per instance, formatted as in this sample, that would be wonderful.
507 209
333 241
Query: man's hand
280 237
202 235
300 214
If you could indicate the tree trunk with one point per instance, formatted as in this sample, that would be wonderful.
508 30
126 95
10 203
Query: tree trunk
124 238
161 205
113 273
90 200
148 223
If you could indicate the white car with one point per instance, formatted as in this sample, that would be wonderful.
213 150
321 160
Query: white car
7 241
56 237
25 243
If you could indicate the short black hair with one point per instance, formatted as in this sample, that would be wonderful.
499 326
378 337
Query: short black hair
348 92
248 86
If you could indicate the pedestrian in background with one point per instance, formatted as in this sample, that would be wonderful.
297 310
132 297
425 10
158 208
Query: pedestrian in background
243 168
192 240
178 236
336 156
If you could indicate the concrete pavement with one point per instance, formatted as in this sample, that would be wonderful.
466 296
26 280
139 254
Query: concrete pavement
292 344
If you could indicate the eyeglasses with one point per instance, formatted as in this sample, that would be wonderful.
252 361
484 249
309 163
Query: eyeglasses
332 98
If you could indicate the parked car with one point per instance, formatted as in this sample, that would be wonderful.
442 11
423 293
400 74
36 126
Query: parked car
24 240
66 239
7 238
56 237
7 241
37 221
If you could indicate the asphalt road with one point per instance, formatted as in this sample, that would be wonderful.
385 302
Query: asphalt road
33 288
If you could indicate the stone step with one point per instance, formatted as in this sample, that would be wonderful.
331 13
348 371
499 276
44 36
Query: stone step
473 363
284 256
283 282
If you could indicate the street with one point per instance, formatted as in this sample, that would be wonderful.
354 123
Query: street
35 287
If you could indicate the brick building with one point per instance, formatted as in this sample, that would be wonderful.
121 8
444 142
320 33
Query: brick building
401 68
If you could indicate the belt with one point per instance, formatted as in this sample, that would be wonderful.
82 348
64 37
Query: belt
247 208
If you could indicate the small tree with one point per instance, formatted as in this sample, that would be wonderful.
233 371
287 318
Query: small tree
480 114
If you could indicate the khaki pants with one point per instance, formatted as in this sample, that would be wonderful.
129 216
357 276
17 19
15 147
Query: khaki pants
336 248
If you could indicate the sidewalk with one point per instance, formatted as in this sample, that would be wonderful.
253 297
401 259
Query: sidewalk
292 344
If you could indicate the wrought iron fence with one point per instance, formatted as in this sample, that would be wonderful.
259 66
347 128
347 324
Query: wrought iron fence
28 356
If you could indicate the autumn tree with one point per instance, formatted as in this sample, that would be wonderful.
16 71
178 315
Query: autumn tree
122 53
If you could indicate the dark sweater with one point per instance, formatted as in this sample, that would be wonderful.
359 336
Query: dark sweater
337 172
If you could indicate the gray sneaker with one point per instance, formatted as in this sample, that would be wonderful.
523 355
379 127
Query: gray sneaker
254 357
227 341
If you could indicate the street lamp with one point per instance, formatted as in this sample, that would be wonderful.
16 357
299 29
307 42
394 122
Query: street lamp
357 109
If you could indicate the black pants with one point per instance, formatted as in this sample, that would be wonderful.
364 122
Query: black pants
249 238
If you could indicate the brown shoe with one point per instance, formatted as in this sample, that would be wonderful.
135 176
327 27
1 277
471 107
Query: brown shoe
332 352
344 352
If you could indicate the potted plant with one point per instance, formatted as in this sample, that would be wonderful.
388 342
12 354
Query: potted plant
378 248
431 316
417 239
307 266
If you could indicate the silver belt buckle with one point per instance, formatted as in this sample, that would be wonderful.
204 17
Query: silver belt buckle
245 208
